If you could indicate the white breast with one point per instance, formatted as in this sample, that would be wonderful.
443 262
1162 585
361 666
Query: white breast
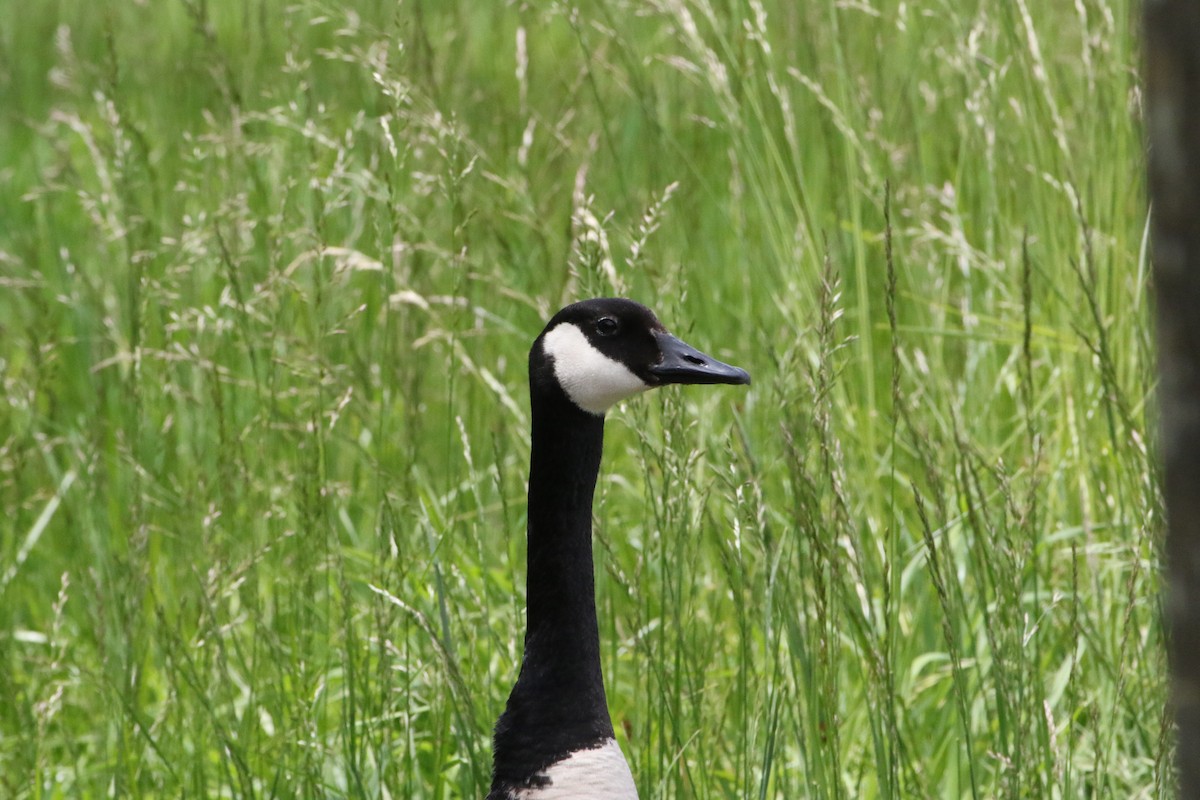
592 380
587 775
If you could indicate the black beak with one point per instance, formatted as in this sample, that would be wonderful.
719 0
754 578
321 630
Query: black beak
682 363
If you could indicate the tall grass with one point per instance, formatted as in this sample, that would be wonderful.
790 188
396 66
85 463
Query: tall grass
268 276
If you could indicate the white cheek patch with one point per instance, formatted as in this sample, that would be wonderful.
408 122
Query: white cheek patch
592 380
587 775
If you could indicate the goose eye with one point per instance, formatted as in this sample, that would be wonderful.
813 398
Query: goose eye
606 326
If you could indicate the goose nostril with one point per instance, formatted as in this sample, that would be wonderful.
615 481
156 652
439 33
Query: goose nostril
694 360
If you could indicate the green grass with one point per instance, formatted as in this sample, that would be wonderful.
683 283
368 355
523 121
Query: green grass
269 272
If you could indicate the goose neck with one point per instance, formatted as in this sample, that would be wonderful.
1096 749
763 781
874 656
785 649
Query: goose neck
564 465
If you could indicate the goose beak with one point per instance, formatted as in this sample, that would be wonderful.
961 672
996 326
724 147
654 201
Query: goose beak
682 363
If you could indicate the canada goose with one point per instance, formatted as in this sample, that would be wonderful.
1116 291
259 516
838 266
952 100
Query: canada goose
555 738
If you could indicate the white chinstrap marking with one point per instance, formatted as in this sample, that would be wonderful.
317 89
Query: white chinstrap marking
592 380
587 775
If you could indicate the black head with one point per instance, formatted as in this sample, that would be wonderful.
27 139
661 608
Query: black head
601 351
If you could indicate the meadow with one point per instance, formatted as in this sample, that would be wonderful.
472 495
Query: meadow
269 272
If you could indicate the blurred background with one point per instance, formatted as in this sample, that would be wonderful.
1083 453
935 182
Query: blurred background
269 272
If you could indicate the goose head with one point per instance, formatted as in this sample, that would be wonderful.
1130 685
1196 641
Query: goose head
599 352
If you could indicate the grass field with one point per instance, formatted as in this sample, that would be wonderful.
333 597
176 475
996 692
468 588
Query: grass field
269 272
